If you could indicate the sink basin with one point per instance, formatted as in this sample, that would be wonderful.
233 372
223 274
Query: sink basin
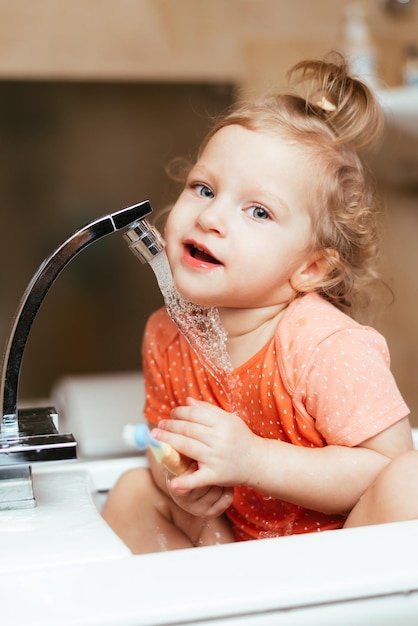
61 564
401 108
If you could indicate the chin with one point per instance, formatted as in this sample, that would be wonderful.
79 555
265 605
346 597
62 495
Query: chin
203 302
191 296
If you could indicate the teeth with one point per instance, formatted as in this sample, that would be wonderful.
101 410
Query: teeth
196 251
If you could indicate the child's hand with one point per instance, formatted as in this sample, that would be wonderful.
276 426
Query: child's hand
221 443
205 502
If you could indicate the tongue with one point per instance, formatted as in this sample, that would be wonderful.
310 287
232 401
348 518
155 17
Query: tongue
202 256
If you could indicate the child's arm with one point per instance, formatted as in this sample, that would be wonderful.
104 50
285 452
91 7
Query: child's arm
329 479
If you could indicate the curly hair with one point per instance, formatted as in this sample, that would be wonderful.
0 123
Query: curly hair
335 117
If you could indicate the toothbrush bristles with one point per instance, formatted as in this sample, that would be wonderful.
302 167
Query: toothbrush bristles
128 435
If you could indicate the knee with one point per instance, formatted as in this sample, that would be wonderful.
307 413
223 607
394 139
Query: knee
133 481
132 487
402 472
397 486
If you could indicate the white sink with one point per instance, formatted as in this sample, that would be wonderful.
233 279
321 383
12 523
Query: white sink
63 527
401 108
61 564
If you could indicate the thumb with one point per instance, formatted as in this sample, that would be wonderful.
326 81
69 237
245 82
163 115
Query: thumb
176 484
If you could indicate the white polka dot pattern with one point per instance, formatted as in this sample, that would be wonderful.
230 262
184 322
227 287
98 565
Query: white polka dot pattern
323 379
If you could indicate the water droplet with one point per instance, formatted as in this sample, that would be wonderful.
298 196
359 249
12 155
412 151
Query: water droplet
201 326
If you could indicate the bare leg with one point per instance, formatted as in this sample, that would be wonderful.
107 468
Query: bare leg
393 497
147 520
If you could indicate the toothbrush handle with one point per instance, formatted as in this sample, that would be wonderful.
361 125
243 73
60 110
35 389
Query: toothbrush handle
173 461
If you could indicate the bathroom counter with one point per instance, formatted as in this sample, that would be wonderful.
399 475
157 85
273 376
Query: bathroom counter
63 527
62 565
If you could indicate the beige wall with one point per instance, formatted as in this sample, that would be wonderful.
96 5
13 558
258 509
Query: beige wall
239 40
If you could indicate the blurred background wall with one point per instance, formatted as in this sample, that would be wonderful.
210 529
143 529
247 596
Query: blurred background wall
96 98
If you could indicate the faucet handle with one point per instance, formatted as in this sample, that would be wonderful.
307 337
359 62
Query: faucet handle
37 440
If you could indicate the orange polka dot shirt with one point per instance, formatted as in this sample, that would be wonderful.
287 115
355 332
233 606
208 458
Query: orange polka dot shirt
322 379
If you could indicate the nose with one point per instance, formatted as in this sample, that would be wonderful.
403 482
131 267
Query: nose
213 217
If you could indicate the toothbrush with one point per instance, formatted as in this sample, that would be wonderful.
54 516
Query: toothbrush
139 435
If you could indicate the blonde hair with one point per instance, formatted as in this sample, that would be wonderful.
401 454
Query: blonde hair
335 118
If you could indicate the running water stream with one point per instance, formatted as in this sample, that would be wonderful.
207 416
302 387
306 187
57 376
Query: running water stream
201 326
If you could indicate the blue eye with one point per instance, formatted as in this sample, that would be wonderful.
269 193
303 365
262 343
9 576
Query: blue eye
203 190
259 213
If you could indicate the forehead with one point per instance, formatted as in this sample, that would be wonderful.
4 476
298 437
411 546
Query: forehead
239 141
257 153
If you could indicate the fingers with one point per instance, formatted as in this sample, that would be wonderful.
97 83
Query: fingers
183 440
197 420
208 435
197 411
206 502
198 481
220 505
190 428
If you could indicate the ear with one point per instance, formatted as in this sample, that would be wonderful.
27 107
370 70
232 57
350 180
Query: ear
314 270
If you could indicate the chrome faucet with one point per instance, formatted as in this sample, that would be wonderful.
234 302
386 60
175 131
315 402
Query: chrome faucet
29 435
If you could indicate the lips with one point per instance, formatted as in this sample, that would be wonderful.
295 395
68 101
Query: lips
196 255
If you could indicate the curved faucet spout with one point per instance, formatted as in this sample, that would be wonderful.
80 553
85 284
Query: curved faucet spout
34 295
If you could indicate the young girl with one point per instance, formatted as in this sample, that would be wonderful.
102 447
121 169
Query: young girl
277 228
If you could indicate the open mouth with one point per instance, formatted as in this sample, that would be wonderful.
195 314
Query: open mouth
198 254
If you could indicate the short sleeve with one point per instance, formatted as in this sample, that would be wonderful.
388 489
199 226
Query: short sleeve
337 372
348 388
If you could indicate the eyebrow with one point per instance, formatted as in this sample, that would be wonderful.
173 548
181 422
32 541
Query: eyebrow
277 200
197 167
200 168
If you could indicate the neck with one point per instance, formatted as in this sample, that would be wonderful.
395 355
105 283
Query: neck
249 330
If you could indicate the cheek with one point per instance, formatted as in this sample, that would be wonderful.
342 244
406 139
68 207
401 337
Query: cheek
173 237
169 220
276 261
171 227
176 218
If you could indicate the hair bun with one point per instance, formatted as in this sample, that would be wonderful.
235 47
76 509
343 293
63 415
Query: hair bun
343 101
